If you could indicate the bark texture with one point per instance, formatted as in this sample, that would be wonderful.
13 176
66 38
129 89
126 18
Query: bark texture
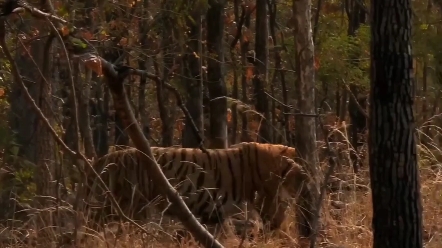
305 128
193 83
260 78
216 84
397 207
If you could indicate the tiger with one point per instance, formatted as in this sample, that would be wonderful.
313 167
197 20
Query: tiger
213 183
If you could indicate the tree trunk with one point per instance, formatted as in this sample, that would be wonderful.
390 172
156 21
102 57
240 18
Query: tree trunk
167 114
305 128
216 84
245 46
356 16
395 183
47 172
83 94
142 64
100 109
194 84
279 70
260 78
22 118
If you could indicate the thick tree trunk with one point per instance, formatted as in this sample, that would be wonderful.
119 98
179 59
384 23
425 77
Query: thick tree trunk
305 128
216 84
397 207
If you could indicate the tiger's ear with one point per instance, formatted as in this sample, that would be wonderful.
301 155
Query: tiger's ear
284 150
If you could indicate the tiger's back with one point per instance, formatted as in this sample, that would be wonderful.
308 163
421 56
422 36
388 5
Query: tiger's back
210 183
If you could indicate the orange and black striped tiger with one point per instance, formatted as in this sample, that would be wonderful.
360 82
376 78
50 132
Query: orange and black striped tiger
212 184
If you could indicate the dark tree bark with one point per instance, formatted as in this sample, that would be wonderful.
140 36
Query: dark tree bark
167 114
142 64
47 173
245 46
216 84
397 206
260 78
279 68
22 118
83 98
235 91
100 109
356 16
193 83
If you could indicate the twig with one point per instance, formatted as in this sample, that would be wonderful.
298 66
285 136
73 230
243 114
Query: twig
239 26
17 6
355 99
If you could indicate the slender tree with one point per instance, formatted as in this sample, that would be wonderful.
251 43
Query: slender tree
260 78
397 207
305 128
215 77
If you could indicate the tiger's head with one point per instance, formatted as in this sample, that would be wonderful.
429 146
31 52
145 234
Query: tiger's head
278 161
283 177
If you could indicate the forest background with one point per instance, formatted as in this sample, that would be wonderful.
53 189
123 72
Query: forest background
179 43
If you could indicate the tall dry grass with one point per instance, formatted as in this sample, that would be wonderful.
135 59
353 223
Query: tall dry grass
345 218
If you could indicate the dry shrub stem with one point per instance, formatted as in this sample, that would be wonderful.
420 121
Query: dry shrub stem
332 165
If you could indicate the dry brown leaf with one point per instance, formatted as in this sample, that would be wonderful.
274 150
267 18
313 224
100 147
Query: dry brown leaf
64 31
247 35
2 92
317 63
229 115
180 125
249 72
92 62
87 35
123 41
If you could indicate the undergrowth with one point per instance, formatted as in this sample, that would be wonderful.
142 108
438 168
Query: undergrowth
345 219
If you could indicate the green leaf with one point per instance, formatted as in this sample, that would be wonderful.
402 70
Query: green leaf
423 27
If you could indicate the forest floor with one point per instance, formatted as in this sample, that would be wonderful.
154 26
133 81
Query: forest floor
346 221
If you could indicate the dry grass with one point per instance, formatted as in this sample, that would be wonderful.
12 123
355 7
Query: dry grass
346 221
